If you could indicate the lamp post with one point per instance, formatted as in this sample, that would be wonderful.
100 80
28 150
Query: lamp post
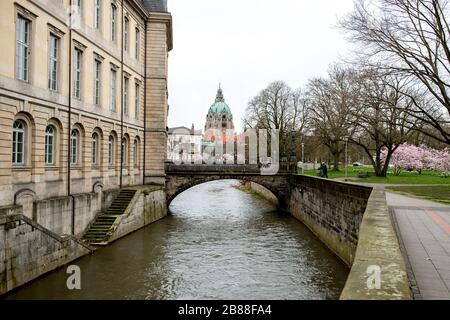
293 155
303 158
346 158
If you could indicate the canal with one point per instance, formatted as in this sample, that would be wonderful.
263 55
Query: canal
218 243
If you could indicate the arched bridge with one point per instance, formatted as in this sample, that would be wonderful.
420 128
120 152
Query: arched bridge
182 177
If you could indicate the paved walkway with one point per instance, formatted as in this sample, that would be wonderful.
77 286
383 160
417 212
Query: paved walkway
424 231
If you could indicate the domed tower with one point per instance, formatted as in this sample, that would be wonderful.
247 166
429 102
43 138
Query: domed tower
219 116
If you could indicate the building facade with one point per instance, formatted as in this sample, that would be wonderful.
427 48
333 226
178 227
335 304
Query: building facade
184 144
83 97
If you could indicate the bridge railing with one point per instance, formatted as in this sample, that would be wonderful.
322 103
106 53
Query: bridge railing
223 168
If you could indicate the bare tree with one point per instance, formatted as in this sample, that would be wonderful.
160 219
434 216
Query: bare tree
330 102
278 107
411 37
380 117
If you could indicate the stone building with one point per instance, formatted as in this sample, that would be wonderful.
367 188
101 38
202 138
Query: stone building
183 144
219 117
83 97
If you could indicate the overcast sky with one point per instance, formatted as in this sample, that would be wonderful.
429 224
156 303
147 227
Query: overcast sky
245 45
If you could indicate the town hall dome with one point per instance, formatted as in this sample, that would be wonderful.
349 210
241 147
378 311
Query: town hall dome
219 116
220 107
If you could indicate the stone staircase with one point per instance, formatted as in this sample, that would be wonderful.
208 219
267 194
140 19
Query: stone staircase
99 231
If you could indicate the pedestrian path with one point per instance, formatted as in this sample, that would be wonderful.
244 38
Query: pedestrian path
424 232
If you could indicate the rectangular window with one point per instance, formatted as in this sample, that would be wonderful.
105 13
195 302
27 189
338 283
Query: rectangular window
18 141
77 73
22 48
126 83
77 3
123 155
97 79
126 32
53 55
74 148
49 147
110 151
97 14
138 44
112 84
136 101
94 149
113 22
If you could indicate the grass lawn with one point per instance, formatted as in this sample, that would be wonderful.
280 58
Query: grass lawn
427 177
434 193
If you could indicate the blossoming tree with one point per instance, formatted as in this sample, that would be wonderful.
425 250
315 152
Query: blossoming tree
417 158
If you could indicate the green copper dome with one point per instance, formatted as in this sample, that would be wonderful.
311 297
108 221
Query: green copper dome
220 107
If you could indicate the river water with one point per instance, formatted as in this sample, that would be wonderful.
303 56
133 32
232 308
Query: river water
218 243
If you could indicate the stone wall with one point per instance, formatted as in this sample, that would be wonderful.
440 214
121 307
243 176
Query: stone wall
149 206
159 42
332 210
55 214
354 222
261 191
378 249
27 250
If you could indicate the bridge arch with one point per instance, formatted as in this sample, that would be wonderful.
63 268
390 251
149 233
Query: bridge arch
178 183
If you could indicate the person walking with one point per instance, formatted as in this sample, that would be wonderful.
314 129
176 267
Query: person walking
323 170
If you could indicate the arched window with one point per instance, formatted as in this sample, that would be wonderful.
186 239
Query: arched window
95 149
124 151
49 145
18 143
136 153
111 150
74 146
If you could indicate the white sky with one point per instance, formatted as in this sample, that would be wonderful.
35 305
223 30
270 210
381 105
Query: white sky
245 45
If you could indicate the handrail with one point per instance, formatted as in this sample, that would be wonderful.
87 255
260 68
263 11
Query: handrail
20 217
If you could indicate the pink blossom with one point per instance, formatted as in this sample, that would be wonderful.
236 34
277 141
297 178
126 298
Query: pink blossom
410 157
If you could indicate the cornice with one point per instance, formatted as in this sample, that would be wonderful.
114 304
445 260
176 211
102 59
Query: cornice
164 17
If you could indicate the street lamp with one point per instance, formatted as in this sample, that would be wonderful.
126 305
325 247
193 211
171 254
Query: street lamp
346 159
303 158
293 155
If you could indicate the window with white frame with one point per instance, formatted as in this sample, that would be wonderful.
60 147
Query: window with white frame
126 32
138 44
74 146
135 153
126 85
111 150
77 73
18 143
97 80
137 90
113 22
22 48
97 14
94 149
49 145
112 84
53 56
